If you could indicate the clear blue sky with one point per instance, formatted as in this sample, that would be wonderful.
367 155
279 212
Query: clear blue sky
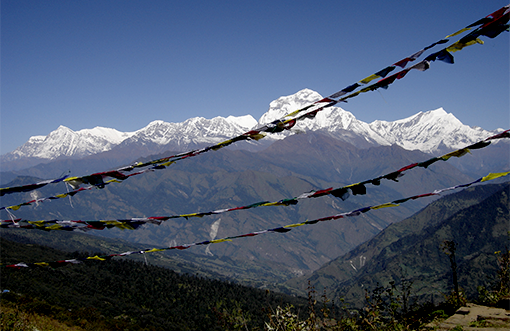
123 64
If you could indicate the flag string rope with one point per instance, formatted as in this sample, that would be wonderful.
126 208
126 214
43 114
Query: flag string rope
134 223
281 229
491 26
357 188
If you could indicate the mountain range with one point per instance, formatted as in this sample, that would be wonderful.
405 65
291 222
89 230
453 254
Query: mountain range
230 178
332 150
433 131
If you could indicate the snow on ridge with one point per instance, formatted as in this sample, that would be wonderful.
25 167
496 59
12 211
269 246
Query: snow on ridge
287 104
195 129
112 135
246 121
428 131
35 139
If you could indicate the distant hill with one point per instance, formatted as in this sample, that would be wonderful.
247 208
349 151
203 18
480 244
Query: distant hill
477 218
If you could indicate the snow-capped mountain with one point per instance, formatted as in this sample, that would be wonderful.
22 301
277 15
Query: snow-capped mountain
334 120
195 130
430 131
66 142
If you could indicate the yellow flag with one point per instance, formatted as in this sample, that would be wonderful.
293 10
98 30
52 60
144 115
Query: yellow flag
459 45
37 223
192 215
385 205
118 224
219 241
366 89
114 222
167 163
352 95
222 144
295 112
369 79
457 153
42 264
271 204
155 250
54 227
492 176
457 33
294 225
95 258
113 181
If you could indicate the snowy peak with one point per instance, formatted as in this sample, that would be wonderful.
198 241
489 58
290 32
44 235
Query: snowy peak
429 131
246 122
66 142
287 104
335 121
111 135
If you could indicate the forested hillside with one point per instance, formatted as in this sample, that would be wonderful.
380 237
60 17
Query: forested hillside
475 219
128 295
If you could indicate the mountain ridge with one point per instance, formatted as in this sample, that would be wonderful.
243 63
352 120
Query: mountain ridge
431 131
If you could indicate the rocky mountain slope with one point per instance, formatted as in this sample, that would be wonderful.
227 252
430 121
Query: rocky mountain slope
475 218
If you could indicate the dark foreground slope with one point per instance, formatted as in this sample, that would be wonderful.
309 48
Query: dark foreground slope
128 295
248 273
477 219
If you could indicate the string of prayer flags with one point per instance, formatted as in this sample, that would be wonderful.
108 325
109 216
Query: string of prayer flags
30 187
281 229
490 26
96 179
343 192
75 182
494 17
504 134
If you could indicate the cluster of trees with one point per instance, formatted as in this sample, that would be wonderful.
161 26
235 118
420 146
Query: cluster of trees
123 294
